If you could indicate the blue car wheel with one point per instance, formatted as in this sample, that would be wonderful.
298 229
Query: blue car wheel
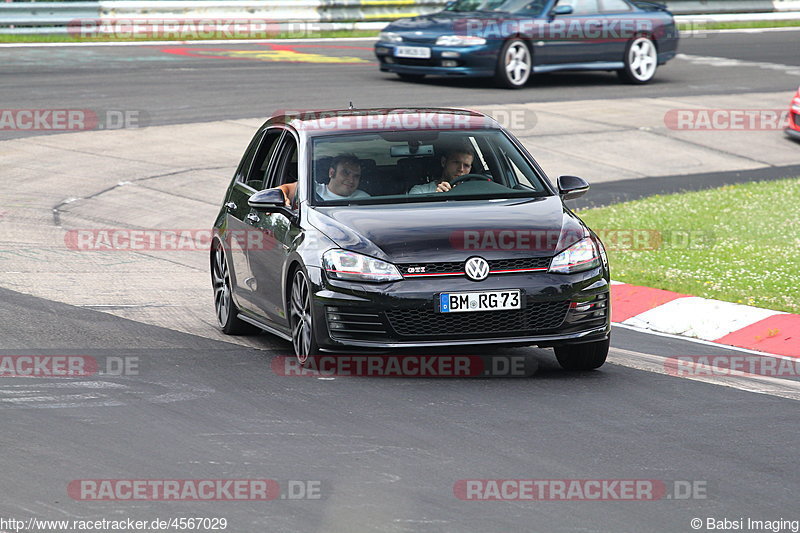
514 65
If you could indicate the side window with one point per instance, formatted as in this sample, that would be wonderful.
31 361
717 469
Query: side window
285 163
582 7
615 6
247 159
259 170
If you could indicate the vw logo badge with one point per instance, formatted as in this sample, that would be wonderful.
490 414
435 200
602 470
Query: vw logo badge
476 268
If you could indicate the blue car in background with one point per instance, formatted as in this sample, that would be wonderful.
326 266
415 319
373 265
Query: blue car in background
512 39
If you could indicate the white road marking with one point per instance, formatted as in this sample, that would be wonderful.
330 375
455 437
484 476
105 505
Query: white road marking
772 386
712 61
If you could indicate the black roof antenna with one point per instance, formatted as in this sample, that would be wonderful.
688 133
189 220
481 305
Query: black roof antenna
351 105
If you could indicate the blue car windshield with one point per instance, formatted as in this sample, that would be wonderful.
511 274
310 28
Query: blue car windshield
498 6
410 166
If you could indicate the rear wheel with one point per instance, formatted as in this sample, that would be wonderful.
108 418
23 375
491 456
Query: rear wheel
641 60
301 318
226 310
514 65
586 356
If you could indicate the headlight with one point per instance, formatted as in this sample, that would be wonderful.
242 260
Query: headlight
579 257
341 264
460 40
389 37
796 104
603 255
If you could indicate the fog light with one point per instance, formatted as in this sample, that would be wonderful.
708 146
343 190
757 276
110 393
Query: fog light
381 50
336 325
388 59
581 306
448 63
451 54
334 317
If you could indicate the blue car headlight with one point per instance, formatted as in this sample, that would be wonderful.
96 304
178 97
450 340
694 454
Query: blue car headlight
341 264
389 37
580 256
460 40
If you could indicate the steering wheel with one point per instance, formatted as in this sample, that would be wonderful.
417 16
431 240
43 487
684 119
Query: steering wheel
470 177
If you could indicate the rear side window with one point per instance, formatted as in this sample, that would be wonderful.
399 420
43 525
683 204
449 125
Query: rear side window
259 170
582 7
615 6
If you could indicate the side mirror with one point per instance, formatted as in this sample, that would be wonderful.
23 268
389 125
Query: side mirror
267 200
561 10
571 187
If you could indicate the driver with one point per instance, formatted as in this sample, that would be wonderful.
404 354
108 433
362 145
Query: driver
456 162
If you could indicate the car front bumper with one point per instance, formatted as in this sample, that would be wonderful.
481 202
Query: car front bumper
404 314
468 61
793 130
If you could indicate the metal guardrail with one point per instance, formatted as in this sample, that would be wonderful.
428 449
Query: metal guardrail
54 17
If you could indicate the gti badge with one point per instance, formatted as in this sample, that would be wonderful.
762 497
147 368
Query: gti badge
414 270
476 268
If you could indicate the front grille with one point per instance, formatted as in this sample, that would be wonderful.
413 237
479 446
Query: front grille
457 267
797 119
355 322
535 318
419 39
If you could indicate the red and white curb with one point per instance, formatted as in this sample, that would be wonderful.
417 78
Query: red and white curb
742 326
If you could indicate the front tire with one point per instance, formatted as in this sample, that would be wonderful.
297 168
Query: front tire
641 61
301 318
514 65
226 310
586 356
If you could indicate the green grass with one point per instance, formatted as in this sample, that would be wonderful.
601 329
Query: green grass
683 26
62 38
738 243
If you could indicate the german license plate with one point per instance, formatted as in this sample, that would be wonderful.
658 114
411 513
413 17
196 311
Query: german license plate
415 52
463 302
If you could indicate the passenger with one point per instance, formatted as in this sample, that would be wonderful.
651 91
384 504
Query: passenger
344 176
456 162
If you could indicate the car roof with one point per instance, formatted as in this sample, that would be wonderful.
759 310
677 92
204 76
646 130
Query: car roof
335 121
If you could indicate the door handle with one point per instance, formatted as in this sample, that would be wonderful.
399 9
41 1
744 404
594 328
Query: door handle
252 217
230 206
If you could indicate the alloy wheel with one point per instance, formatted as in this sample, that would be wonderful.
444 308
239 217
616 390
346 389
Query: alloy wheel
300 316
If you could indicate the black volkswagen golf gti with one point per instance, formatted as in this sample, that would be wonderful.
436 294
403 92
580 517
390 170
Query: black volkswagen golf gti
389 228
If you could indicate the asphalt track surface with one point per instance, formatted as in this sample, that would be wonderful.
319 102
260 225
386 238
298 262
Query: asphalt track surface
386 452
173 84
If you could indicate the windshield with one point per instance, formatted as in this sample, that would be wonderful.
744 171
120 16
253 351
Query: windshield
420 166
499 6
